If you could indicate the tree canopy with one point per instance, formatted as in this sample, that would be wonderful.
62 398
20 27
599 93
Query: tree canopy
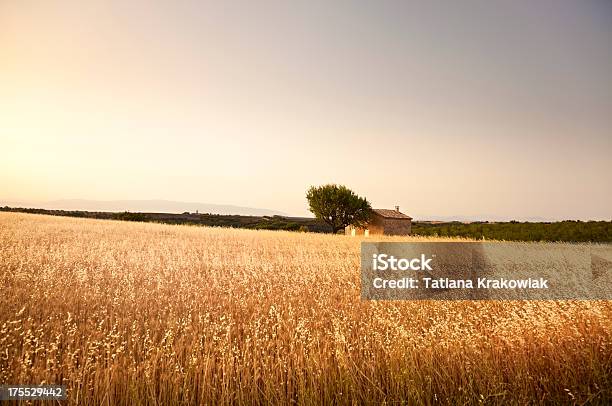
338 206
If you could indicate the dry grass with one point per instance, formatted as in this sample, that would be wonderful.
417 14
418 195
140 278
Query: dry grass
130 313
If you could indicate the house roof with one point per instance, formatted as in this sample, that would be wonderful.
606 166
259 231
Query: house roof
391 214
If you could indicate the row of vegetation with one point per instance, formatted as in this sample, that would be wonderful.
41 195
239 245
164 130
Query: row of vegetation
338 206
202 219
574 231
577 231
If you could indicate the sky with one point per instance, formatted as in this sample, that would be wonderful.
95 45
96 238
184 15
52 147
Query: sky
491 110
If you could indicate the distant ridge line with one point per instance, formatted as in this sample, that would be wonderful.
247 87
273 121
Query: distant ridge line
150 206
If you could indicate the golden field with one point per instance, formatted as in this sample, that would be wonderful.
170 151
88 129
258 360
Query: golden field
135 313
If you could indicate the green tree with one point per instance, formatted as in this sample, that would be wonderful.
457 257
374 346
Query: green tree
338 206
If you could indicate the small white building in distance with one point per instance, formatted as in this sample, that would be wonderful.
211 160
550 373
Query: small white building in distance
385 222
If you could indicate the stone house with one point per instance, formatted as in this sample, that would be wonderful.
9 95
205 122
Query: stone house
384 221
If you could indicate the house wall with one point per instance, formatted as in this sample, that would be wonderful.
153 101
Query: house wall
377 224
397 226
380 225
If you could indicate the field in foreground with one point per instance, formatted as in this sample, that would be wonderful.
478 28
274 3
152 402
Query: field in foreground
133 313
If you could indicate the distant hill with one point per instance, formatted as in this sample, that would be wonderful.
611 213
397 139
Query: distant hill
146 206
482 218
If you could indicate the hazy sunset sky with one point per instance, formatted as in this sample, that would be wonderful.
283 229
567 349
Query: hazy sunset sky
486 109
